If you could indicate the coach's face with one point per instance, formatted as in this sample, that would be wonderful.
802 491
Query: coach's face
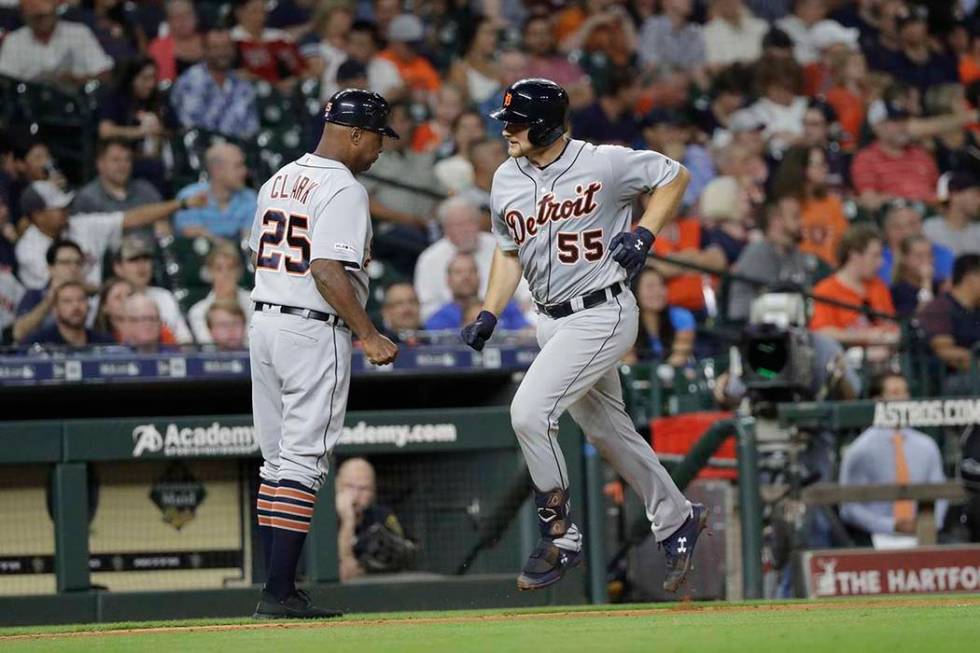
518 144
366 146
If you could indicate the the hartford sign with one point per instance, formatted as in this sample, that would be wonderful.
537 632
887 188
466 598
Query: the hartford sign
865 572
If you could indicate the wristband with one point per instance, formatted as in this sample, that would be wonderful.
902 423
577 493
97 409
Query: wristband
183 204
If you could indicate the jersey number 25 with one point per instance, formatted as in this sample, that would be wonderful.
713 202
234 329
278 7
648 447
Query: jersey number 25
573 245
276 227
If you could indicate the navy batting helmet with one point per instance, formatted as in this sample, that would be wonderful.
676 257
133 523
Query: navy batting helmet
538 102
354 107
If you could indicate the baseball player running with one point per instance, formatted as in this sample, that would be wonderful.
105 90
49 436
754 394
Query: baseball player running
311 241
561 213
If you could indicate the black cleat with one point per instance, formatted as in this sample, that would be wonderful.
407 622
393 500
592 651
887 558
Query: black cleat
547 564
295 606
679 547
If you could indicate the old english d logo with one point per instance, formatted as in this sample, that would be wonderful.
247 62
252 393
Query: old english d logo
507 99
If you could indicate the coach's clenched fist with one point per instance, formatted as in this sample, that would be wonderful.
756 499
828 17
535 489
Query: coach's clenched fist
379 350
476 333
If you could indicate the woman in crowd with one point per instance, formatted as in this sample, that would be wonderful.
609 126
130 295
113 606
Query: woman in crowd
325 49
134 110
666 332
180 46
112 298
914 285
224 266
849 94
477 72
454 170
803 174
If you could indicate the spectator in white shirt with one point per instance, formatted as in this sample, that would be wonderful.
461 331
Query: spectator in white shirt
460 222
134 263
47 207
53 50
733 34
799 25
224 266
782 105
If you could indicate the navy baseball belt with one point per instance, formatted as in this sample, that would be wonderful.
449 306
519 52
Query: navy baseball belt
307 313
577 304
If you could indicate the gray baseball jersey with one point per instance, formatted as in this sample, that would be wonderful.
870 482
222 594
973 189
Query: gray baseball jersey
312 208
560 218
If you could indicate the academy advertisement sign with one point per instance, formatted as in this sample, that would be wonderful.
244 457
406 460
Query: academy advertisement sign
235 436
863 572
183 442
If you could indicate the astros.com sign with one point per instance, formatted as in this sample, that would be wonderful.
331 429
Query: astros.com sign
219 440
922 414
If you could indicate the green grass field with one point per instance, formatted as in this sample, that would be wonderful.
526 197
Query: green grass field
890 625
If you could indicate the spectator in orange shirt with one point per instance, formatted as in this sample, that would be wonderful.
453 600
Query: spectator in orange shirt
405 34
856 282
597 26
446 106
803 174
683 239
849 93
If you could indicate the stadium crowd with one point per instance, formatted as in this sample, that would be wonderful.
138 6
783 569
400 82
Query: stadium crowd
831 144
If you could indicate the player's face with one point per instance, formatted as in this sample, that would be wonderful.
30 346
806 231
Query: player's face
517 141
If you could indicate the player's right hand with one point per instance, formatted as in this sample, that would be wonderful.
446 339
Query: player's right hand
476 333
379 349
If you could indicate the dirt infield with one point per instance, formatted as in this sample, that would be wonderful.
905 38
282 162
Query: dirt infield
684 607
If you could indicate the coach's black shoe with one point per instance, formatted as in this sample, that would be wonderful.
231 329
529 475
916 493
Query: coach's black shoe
547 564
295 606
679 547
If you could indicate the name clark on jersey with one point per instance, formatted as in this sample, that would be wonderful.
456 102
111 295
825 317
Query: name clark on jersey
302 187
521 228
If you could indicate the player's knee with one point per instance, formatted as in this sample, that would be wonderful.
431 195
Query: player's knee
525 417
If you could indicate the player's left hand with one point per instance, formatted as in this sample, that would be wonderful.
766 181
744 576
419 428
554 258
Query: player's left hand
630 249
476 333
